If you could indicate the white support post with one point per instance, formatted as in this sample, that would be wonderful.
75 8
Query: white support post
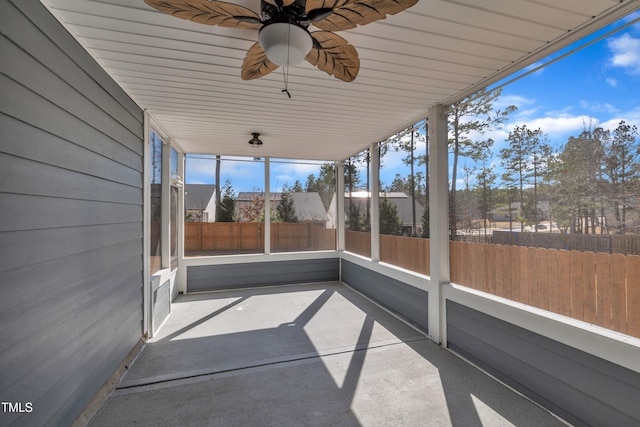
374 208
146 225
340 224
267 207
438 221
181 279
165 217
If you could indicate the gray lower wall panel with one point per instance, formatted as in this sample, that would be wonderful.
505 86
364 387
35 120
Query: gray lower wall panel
161 304
581 388
71 198
230 276
405 300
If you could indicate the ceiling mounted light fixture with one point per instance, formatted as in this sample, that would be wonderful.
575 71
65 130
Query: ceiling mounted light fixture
255 141
285 43
283 39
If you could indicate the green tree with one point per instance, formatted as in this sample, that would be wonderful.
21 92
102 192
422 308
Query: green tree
466 204
541 153
516 161
415 184
622 165
217 197
398 184
324 184
472 115
355 221
226 211
285 211
425 223
389 221
297 187
485 179
576 177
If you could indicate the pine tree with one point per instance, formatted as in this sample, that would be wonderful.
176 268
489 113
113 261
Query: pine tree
576 175
515 160
324 184
226 211
389 221
622 160
472 115
285 210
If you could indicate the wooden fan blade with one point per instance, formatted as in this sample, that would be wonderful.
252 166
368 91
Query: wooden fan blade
208 12
256 64
334 55
348 14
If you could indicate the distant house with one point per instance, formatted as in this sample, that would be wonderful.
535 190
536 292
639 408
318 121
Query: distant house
632 217
199 202
308 206
502 213
402 201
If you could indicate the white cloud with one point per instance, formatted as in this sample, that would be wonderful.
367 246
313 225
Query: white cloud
202 168
598 107
612 82
625 52
295 169
559 124
522 114
631 118
517 100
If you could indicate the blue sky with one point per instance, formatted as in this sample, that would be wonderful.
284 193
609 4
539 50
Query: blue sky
599 84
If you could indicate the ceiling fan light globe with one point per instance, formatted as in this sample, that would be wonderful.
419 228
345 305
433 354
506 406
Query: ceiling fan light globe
285 43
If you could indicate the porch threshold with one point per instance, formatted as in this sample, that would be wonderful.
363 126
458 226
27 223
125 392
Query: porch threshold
316 354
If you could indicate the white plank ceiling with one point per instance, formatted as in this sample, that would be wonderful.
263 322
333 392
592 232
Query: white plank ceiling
187 75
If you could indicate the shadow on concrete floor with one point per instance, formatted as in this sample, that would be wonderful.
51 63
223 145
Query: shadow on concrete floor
316 354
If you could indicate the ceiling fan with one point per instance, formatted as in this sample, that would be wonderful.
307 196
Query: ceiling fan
283 38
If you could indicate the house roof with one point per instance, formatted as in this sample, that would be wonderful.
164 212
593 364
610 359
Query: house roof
197 196
385 194
187 75
403 203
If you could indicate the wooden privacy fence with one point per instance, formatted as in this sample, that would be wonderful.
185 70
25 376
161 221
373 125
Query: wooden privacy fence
229 237
411 253
223 236
301 236
357 242
610 243
598 288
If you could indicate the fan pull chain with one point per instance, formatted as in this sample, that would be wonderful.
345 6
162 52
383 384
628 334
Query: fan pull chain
285 75
285 69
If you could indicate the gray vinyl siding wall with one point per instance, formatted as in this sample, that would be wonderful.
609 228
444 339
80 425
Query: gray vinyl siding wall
245 275
405 300
581 388
71 232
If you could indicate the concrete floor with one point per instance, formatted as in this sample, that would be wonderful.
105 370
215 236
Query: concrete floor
303 355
